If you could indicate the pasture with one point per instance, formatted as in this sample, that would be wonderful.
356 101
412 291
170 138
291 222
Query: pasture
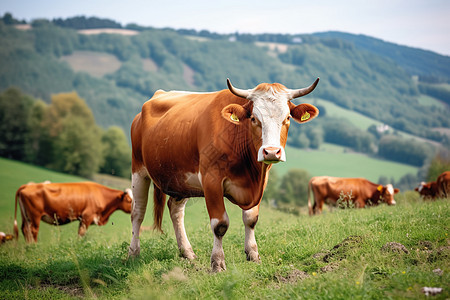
333 256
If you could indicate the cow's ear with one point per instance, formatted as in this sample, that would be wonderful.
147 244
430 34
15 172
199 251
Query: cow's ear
234 113
396 191
304 112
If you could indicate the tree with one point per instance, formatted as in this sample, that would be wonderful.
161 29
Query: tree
294 187
14 113
75 135
77 147
116 153
439 164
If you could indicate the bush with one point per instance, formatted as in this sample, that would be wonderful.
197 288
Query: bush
294 187
406 151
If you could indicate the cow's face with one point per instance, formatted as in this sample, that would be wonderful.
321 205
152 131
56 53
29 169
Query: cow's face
427 190
387 194
270 110
127 198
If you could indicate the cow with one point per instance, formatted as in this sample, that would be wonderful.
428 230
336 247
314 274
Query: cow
435 189
4 237
62 203
357 192
211 145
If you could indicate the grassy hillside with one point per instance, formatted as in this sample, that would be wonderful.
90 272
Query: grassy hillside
337 255
46 60
332 160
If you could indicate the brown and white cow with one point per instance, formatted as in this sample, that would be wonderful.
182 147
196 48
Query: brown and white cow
435 189
353 191
62 203
211 145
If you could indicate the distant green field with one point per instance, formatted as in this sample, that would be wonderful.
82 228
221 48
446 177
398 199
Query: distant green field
357 119
334 161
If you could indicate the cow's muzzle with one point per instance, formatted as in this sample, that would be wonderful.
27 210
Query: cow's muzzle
271 154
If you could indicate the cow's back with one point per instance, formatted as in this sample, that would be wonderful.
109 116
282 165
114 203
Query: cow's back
336 187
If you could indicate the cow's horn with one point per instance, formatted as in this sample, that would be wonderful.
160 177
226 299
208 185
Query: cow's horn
237 92
304 91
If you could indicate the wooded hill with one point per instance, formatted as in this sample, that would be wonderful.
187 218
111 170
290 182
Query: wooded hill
383 81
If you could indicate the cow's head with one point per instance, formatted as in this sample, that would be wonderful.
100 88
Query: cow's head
427 190
270 110
387 194
127 199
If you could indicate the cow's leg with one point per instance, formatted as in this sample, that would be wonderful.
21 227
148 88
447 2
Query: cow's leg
218 219
176 208
84 224
30 230
140 185
250 218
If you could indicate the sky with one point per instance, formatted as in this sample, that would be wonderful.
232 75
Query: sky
421 24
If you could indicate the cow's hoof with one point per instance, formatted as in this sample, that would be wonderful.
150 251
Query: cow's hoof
218 266
133 253
253 256
188 254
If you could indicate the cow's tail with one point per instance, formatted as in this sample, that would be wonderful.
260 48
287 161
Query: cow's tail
159 201
16 229
309 198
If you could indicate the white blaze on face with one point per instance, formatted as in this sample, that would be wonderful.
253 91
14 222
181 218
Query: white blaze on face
390 190
271 109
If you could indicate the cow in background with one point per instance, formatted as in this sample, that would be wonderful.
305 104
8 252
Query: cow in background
435 189
211 145
62 203
358 192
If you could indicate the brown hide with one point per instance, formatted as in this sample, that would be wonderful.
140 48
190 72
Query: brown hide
185 134
62 203
353 191
434 189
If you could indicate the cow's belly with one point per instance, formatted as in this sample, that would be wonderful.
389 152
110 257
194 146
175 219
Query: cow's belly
57 220
179 185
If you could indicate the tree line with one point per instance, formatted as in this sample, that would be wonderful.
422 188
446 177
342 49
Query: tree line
62 135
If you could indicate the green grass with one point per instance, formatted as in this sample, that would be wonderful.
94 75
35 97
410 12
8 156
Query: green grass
62 266
359 120
332 160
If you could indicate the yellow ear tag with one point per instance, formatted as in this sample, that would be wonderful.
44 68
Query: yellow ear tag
305 116
234 117
379 188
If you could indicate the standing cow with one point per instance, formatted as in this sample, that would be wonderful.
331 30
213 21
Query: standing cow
62 203
211 145
434 189
357 191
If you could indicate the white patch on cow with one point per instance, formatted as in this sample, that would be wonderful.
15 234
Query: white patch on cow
390 189
271 109
129 192
96 220
421 186
194 180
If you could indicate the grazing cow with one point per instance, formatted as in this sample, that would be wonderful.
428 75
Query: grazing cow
62 203
5 237
211 145
352 191
434 189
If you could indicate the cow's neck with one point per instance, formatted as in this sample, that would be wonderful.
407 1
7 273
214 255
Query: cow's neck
111 207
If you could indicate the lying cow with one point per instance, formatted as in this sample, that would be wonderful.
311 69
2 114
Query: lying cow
435 189
211 145
62 203
355 191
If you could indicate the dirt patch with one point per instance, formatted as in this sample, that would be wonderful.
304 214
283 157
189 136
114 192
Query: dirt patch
340 251
188 75
441 253
329 268
394 247
149 65
108 31
94 63
292 277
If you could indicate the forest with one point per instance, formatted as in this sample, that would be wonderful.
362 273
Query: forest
357 73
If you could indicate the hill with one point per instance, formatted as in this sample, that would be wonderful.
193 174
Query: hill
39 62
